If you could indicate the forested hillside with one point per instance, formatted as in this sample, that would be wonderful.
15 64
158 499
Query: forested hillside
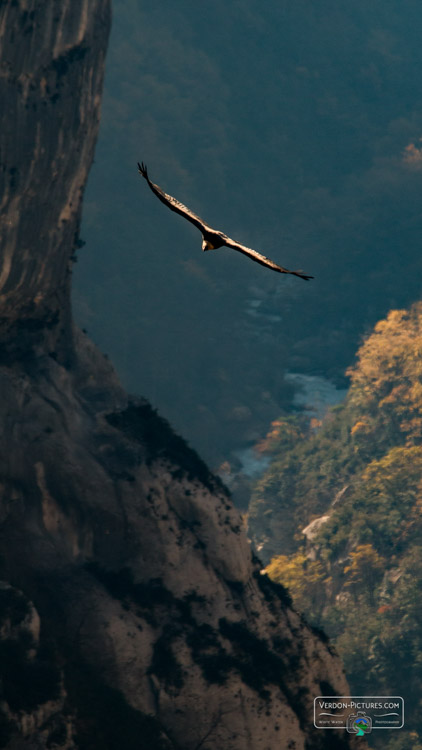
339 513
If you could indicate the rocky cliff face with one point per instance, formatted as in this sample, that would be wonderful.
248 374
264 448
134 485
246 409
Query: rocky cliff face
132 614
51 73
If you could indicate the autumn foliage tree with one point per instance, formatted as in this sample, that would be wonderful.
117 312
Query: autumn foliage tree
359 576
364 572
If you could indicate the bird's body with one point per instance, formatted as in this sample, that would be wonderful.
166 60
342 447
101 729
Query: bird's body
212 238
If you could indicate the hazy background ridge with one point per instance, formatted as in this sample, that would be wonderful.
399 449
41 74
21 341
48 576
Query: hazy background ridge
294 128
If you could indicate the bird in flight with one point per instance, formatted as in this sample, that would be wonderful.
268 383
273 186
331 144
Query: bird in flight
212 238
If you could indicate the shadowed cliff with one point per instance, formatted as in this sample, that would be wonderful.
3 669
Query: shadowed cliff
132 614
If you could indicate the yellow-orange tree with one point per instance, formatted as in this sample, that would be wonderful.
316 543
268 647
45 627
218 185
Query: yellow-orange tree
359 573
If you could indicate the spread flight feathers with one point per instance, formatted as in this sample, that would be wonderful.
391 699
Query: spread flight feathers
212 238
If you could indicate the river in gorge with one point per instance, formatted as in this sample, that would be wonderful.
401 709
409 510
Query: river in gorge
315 394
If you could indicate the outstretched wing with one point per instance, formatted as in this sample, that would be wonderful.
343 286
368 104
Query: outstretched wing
172 203
179 208
261 258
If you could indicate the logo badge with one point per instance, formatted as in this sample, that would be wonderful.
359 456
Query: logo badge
358 714
359 723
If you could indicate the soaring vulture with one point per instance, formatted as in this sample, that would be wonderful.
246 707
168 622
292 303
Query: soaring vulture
212 238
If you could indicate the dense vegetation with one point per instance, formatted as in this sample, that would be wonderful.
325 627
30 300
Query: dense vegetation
357 572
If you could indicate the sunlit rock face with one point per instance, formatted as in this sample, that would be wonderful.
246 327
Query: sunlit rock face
132 612
51 73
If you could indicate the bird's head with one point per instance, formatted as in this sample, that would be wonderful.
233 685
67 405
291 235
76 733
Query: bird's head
206 244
